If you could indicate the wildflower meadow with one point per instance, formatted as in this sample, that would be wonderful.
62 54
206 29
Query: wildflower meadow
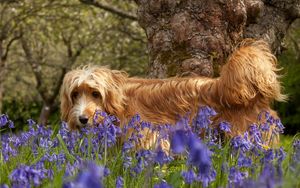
99 156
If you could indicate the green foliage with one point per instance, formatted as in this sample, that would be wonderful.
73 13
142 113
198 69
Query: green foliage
290 61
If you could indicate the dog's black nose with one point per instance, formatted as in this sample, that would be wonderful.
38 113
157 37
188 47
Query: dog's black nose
83 119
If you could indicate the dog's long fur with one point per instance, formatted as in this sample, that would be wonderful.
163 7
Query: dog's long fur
248 83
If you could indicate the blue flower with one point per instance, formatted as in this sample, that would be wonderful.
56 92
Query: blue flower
91 177
202 119
178 141
242 143
255 134
127 161
162 184
161 157
236 177
225 126
25 175
31 122
3 120
206 178
119 182
244 161
188 176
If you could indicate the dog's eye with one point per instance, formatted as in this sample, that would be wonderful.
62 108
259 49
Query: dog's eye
74 95
96 94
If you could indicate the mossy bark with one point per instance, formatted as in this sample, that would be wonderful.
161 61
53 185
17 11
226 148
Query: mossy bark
187 37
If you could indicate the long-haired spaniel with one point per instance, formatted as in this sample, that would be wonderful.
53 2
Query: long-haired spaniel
247 84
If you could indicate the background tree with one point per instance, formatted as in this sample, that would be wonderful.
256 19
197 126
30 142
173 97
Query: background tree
11 14
63 35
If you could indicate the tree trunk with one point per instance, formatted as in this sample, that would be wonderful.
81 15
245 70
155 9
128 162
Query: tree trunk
195 36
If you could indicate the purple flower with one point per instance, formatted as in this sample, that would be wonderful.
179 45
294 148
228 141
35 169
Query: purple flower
268 177
188 176
255 134
236 177
199 155
244 161
4 186
25 175
3 120
202 119
265 127
269 156
162 184
178 141
127 146
206 178
280 154
91 177
242 143
127 161
278 126
161 157
31 122
11 124
225 126
119 182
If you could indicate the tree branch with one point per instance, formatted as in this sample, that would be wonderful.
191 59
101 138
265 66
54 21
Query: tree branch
33 63
110 9
17 37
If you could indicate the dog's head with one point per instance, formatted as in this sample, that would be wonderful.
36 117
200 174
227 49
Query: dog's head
90 88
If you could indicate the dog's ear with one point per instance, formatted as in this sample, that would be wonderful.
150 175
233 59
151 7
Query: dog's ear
115 100
65 99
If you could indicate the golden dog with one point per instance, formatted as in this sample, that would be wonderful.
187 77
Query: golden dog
247 84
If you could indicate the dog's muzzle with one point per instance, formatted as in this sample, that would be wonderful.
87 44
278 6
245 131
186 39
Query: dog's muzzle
83 119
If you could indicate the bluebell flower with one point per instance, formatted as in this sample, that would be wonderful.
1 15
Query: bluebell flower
178 141
127 146
202 119
11 124
106 171
255 134
267 177
91 176
189 176
127 161
225 126
278 126
207 177
161 157
25 175
4 186
269 156
244 161
265 127
3 120
31 122
242 143
236 177
280 154
119 182
139 167
162 184
199 155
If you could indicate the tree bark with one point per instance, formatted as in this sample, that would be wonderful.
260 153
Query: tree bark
187 37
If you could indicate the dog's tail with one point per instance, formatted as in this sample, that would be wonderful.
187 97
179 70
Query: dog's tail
250 71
